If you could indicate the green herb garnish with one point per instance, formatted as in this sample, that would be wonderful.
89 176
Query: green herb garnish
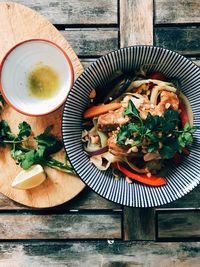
46 144
157 130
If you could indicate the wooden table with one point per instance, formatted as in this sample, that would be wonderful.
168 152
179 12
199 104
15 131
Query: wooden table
90 231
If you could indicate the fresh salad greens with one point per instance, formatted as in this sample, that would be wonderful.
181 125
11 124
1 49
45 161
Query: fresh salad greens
45 145
162 132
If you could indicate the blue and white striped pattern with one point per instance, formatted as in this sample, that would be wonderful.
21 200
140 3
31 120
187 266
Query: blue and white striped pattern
181 179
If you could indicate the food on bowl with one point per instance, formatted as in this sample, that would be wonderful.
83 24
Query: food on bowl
143 122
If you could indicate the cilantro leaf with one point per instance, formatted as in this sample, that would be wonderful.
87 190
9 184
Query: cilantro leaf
170 148
5 133
28 159
50 142
132 112
153 122
24 130
123 134
152 137
153 147
185 136
134 128
167 152
170 120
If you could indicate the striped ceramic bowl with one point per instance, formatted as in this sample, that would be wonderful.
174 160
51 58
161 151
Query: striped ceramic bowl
181 179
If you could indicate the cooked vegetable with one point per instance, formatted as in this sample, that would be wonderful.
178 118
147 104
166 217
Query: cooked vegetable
144 131
157 76
101 109
152 180
98 152
186 107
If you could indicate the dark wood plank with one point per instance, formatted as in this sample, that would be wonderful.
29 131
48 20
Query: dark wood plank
179 11
136 22
93 42
87 200
179 224
184 40
59 226
191 200
75 11
96 254
139 224
136 27
87 62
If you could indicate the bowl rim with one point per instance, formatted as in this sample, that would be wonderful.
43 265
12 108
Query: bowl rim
67 59
62 126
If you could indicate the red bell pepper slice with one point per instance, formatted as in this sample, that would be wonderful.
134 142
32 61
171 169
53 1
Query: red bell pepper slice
183 114
157 76
177 157
152 181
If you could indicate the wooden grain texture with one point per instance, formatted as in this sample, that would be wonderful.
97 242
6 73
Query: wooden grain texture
86 200
191 200
87 62
75 11
136 22
179 224
184 40
136 27
59 226
197 62
179 11
100 254
139 224
22 23
92 42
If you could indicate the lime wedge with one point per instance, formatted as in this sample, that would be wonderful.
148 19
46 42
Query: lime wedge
29 178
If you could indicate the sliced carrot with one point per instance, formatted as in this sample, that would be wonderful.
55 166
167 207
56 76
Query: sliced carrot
101 109
152 181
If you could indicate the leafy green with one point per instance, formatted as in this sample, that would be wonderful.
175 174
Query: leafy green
47 144
153 147
170 120
152 122
132 111
185 137
5 133
50 142
156 130
123 134
24 130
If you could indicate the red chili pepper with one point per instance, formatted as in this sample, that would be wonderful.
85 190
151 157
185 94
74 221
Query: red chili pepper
152 181
157 76
183 114
177 158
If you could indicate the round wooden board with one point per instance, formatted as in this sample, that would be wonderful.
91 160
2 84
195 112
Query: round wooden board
19 23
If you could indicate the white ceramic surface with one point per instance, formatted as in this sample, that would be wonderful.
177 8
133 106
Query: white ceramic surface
16 67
